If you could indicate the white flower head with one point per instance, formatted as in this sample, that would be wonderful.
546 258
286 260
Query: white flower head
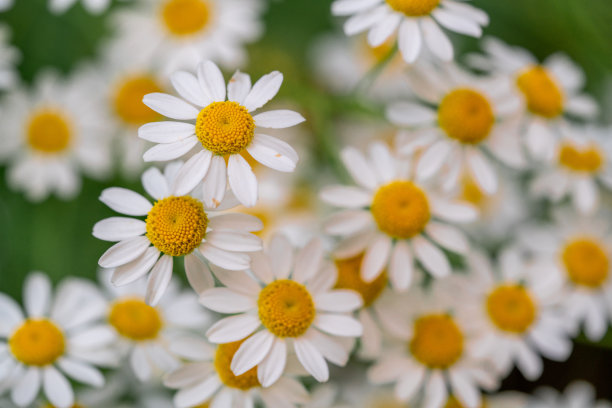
6 5
9 56
578 394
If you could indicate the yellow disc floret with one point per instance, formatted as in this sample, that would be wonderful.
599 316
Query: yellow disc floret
185 17
223 361
286 308
128 104
453 402
511 308
48 131
437 341
466 115
414 8
584 160
349 277
135 320
177 225
401 209
542 94
225 128
586 262
37 342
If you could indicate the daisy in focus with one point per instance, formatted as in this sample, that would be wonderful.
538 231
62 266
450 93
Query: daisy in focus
417 23
220 128
9 56
60 337
177 225
393 219
287 305
578 394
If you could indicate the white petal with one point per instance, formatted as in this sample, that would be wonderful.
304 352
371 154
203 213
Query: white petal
124 252
384 29
311 359
233 261
242 180
409 383
585 195
431 257
170 106
338 300
583 106
433 159
211 80
238 87
198 274
448 237
235 221
482 171
125 201
81 372
197 394
401 266
383 162
233 328
435 391
280 255
166 132
134 270
348 7
264 89
338 325
116 229
260 266
252 352
454 211
464 389
527 361
236 241
187 85
436 40
37 294
456 22
94 336
308 261
192 348
363 21
191 173
273 153
347 222
278 119
224 300
57 388
170 151
27 387
410 114
376 258
155 184
359 169
159 279
273 366
409 40
332 350
215 183
346 196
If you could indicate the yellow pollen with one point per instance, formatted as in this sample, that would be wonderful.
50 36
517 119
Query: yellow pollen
543 95
466 115
135 320
471 192
185 17
177 225
414 8
453 402
225 128
204 405
286 308
437 342
37 342
127 102
48 131
349 277
587 160
511 308
401 209
223 361
586 262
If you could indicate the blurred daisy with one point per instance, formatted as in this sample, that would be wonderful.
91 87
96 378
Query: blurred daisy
416 22
393 218
220 128
59 337
207 379
578 394
176 224
288 305
92 6
471 116
9 56
5 5
582 159
551 91
53 133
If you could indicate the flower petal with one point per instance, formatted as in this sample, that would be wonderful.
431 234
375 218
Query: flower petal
166 132
170 151
116 229
211 79
170 106
252 352
187 85
431 257
233 261
159 279
155 183
233 328
124 251
191 173
278 119
273 153
338 325
242 180
311 358
238 87
57 388
263 91
37 294
136 269
224 300
273 366
125 201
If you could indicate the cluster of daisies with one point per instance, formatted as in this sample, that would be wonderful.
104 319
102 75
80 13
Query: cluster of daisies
431 277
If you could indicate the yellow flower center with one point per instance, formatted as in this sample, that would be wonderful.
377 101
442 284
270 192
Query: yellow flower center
453 402
413 8
37 342
127 102
543 95
377 54
401 209
586 262
588 160
437 341
349 277
466 115
286 308
185 17
225 128
511 308
135 320
471 192
388 403
223 361
177 225
49 131
204 405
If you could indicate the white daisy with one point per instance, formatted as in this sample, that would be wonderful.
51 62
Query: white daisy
220 128
416 22
59 336
578 394
6 5
92 6
583 158
288 305
470 116
551 91
53 133
9 56
176 224
393 218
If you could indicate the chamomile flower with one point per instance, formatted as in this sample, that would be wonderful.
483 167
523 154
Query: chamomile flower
220 128
582 160
471 116
416 22
58 337
207 379
53 133
9 56
393 218
288 305
551 91
176 225
92 6
5 5
578 394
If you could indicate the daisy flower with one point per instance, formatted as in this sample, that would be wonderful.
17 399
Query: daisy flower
393 218
578 394
58 337
92 6
220 128
582 160
287 305
5 5
9 56
415 21
176 225
53 133
551 91
207 379
459 120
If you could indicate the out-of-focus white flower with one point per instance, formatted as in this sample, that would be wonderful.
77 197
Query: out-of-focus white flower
578 394
9 56
5 5
92 6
